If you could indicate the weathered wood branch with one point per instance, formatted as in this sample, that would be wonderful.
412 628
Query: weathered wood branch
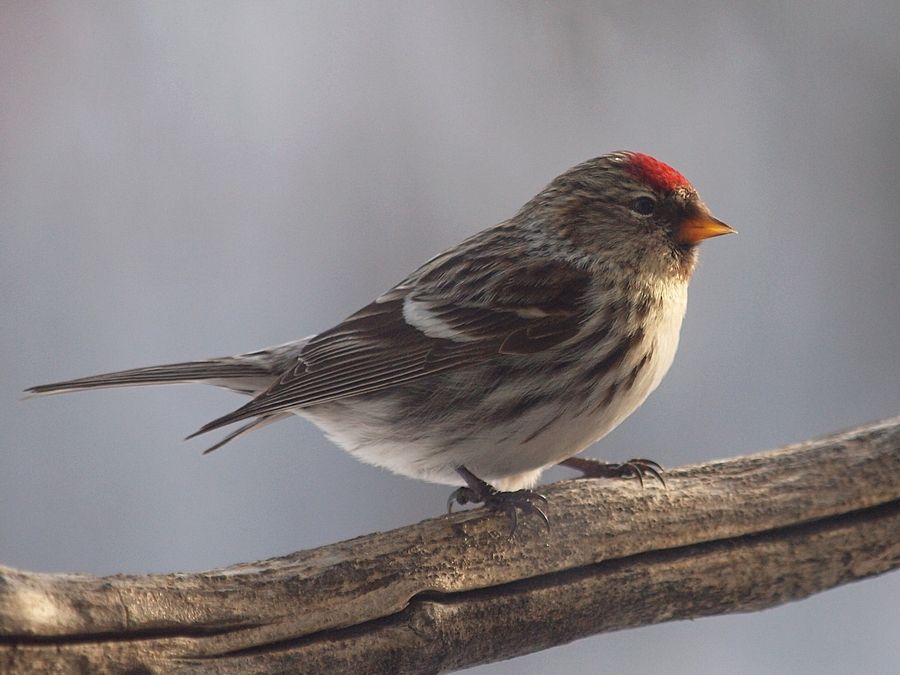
729 536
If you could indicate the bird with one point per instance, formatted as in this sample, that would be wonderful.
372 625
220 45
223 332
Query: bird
506 354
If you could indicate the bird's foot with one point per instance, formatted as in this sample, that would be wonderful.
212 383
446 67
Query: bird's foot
633 468
477 491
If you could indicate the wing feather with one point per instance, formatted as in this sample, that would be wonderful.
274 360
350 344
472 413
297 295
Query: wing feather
448 324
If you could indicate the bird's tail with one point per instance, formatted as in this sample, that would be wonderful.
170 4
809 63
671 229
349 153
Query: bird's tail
248 373
236 373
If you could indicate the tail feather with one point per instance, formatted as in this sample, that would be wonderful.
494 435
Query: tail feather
224 421
258 423
228 372
250 373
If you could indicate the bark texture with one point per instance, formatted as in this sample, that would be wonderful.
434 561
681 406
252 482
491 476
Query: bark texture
729 536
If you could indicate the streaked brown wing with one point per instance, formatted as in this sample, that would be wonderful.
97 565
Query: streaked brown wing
528 310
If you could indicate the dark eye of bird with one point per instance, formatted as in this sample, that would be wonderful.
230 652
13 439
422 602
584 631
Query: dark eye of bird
643 206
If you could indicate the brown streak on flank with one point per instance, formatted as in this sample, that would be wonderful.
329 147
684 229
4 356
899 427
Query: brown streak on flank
632 376
618 307
611 392
517 407
613 358
541 429
643 307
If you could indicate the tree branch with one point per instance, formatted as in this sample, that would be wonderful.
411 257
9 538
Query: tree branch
728 536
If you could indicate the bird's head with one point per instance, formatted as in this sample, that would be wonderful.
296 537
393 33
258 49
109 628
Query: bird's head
626 209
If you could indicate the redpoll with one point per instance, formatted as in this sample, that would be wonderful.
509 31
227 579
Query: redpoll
508 353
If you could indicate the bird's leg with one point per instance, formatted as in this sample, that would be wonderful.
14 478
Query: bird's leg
633 468
477 491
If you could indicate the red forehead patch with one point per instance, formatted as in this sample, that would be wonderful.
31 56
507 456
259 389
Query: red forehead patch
654 173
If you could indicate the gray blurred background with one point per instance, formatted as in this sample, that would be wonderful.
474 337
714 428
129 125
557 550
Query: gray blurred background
182 180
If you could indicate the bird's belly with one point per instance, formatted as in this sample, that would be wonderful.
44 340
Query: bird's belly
405 431
509 453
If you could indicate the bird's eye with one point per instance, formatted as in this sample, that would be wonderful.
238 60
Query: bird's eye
643 206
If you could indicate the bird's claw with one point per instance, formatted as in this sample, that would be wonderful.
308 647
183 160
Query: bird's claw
633 468
639 468
510 503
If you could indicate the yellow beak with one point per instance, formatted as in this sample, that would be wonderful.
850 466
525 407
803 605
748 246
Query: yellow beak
701 226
